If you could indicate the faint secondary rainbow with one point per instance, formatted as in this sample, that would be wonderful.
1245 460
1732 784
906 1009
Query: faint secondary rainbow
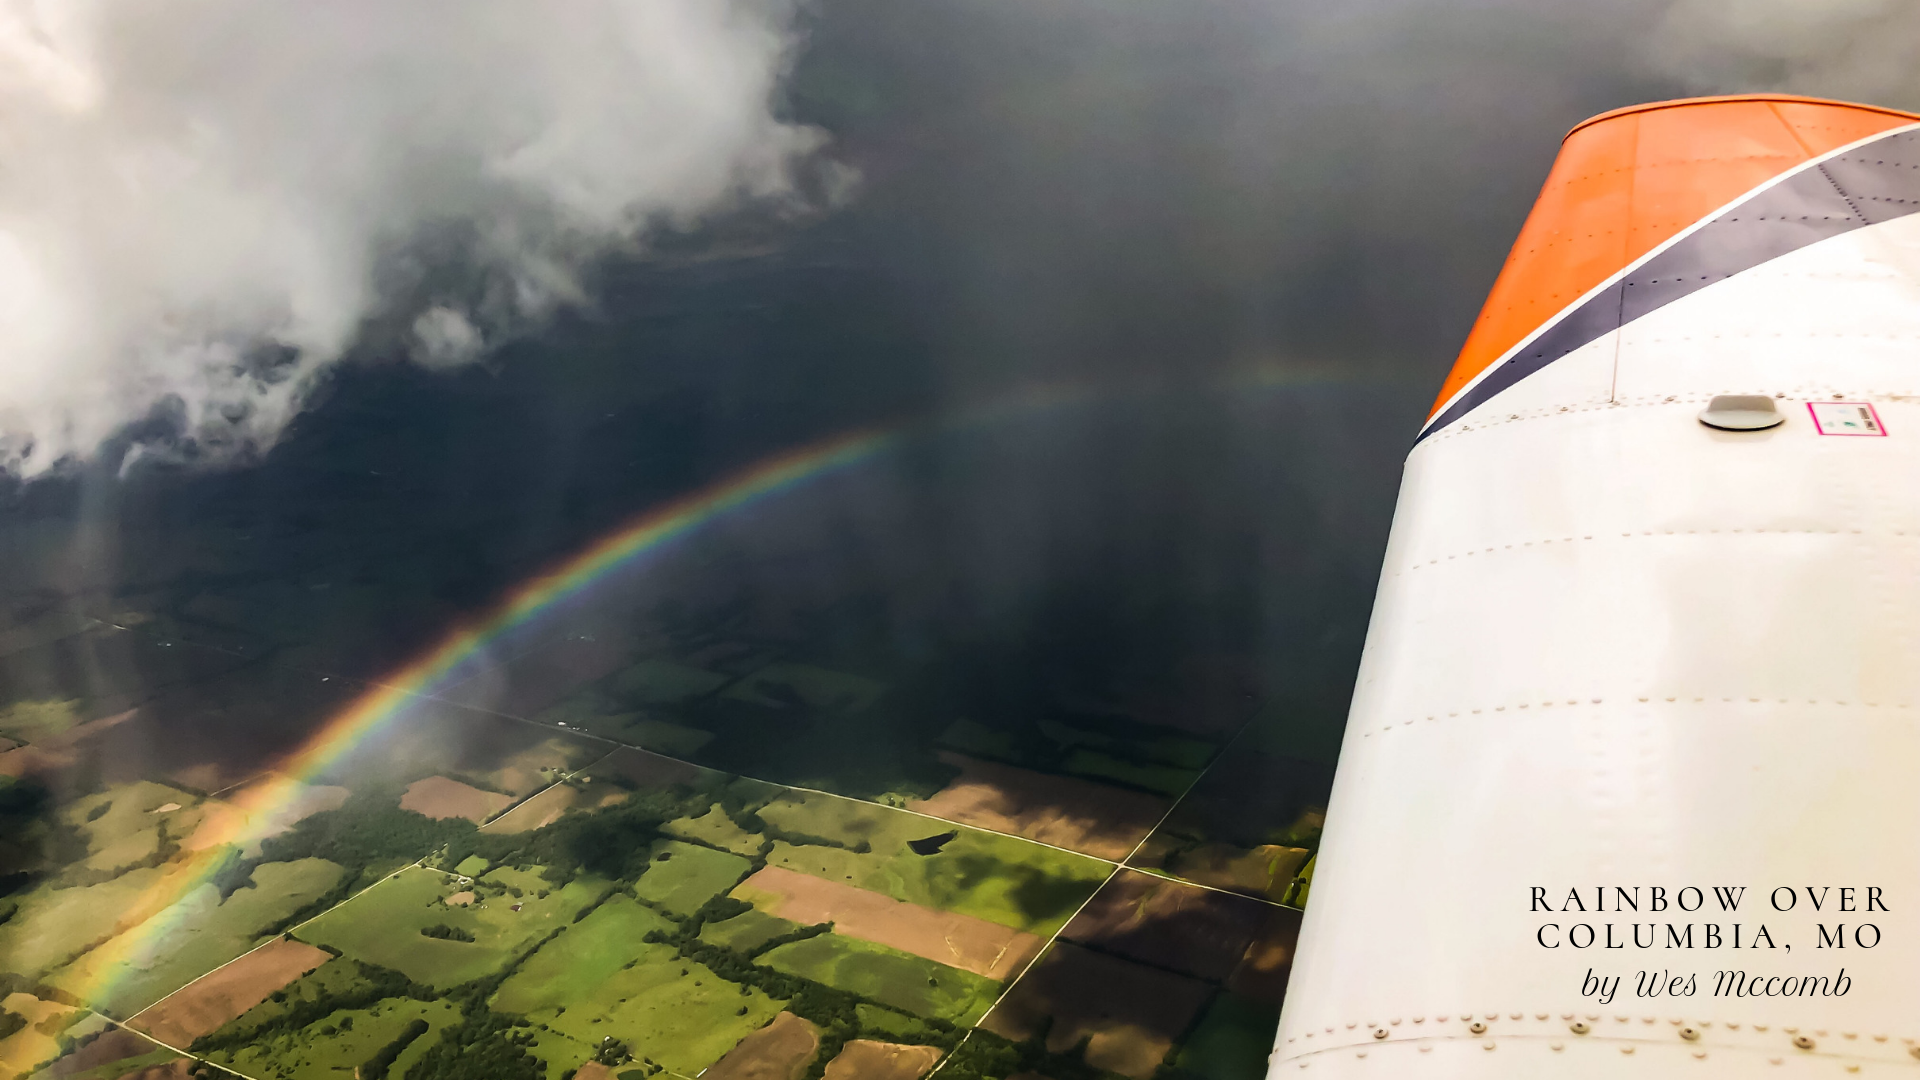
254 810
243 817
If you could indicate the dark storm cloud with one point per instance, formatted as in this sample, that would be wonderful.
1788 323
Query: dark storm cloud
1099 189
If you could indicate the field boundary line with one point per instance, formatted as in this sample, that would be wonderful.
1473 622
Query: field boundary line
123 1025
1008 986
420 863
518 803
619 744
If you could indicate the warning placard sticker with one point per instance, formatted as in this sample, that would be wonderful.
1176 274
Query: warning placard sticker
1845 418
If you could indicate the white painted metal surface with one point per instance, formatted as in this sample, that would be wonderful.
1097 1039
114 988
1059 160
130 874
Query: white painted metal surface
1614 647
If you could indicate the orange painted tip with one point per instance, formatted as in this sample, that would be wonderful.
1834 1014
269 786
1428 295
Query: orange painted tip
1723 99
1635 178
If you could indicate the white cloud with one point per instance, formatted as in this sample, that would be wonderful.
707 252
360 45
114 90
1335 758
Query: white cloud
444 337
202 202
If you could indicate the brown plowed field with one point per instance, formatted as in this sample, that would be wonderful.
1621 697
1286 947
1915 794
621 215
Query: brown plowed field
864 1059
1169 924
779 1051
1078 815
945 937
649 769
1263 971
56 751
260 808
1130 1013
538 812
203 1006
172 1070
439 797
114 1044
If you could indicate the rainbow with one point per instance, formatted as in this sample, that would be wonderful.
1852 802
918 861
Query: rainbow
168 906
164 908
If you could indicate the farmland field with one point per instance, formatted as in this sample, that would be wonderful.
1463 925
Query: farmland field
123 825
904 981
30 1045
865 1059
1130 1013
662 682
945 937
716 828
1170 925
113 1055
665 738
599 979
589 953
228 993
33 721
748 930
1161 779
1001 879
382 925
628 767
440 797
783 685
779 1051
335 1047
54 924
538 812
1232 1040
204 933
1094 819
683 876
329 980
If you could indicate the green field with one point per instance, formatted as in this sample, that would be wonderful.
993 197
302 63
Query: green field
32 721
661 737
1232 1040
331 978
333 1048
589 953
662 682
746 931
599 979
122 827
780 685
898 979
53 924
382 925
562 1053
683 876
1178 751
716 828
1161 779
47 1021
876 1022
1002 879
204 932
980 740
